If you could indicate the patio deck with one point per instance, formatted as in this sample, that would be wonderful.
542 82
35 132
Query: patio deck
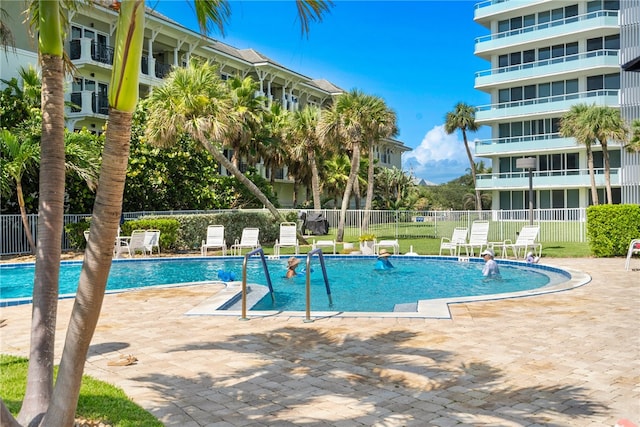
564 359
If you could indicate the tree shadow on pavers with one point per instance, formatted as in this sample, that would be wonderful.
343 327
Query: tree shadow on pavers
106 347
311 376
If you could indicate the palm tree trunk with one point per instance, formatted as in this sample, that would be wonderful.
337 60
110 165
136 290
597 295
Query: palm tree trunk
296 188
95 270
353 175
315 180
473 170
592 175
369 200
607 171
23 215
49 237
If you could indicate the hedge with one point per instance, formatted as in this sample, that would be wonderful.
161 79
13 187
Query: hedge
610 228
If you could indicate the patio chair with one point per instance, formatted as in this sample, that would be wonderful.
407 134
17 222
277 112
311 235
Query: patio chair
134 244
288 238
248 240
478 237
215 240
453 244
387 244
634 248
327 243
152 240
526 240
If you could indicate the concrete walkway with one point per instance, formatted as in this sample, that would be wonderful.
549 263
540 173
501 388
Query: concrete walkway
564 359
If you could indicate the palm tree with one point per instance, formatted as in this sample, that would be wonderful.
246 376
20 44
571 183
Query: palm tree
246 108
634 142
606 124
19 155
382 124
195 101
306 143
463 117
572 126
271 137
336 171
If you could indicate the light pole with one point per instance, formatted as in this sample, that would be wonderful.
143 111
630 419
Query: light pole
528 163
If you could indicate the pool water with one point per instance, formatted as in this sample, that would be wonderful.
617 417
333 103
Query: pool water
355 285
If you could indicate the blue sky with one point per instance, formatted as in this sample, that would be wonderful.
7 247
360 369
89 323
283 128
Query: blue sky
416 55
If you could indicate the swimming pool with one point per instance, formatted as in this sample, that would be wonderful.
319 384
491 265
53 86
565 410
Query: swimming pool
355 285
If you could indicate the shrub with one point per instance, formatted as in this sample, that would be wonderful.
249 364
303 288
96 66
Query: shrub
75 233
610 228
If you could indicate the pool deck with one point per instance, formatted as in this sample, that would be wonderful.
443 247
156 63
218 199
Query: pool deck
564 359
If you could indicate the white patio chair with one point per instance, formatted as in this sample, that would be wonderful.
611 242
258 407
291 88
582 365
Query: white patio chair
453 244
248 240
152 240
387 244
288 238
215 240
478 237
325 243
634 248
135 243
526 240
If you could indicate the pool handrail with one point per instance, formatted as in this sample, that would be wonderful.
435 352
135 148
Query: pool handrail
244 279
308 288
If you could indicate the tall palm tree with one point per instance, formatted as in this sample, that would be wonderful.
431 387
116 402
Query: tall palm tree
19 155
382 124
306 143
246 108
634 142
271 138
195 101
572 126
336 171
463 118
606 124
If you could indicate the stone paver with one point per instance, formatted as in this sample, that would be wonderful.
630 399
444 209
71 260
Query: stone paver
564 359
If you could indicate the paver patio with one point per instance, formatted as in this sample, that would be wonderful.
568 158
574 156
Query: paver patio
563 359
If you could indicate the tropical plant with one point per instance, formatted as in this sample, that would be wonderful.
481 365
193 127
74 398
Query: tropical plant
463 118
306 144
336 171
634 142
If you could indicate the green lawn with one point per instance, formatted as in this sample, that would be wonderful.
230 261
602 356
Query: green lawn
98 400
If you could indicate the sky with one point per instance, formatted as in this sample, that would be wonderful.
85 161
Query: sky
416 55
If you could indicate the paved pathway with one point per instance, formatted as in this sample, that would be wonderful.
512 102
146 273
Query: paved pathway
565 359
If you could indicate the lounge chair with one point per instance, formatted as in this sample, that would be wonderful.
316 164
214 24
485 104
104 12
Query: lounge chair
453 244
634 248
478 237
387 244
526 241
136 243
323 243
288 238
215 240
248 240
152 240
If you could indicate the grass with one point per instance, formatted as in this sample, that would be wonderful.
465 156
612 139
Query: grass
98 400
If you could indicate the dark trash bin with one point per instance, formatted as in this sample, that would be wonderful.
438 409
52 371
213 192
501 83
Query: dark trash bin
315 223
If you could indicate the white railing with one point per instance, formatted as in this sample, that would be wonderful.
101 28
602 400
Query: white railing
548 99
557 225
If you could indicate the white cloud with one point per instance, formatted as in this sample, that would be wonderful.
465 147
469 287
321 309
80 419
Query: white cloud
439 157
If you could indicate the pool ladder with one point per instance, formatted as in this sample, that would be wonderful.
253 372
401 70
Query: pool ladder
259 251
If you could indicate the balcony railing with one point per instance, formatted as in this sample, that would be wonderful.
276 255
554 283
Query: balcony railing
102 53
557 22
522 138
545 179
488 3
100 104
545 62
548 99
162 70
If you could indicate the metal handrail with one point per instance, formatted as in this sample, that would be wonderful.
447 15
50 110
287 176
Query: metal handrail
244 279
308 288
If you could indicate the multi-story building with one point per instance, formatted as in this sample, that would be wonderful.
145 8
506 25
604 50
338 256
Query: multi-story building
167 44
545 56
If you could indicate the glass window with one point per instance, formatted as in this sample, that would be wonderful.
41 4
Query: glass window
573 199
554 126
557 199
503 95
594 6
572 161
515 58
543 163
503 26
516 129
544 90
557 51
557 88
572 86
505 165
529 20
516 22
529 56
594 44
504 130
505 200
611 4
517 200
612 81
571 48
530 92
516 93
570 11
76 86
527 127
544 17
545 199
594 83
612 42
557 14
503 61
76 32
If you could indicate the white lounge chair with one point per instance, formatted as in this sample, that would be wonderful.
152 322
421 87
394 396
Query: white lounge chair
152 240
453 244
135 243
248 240
526 240
323 243
288 238
387 244
215 240
478 237
634 248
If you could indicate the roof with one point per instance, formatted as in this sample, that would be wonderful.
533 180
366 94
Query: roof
633 65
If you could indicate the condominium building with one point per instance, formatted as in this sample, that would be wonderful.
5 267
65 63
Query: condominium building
545 56
167 44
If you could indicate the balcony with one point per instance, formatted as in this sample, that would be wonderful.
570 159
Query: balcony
523 144
568 178
580 24
87 103
543 106
561 65
88 51
484 10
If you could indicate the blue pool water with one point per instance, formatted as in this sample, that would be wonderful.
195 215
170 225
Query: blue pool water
355 285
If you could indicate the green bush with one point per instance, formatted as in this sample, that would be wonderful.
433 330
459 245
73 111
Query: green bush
168 227
610 228
75 233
